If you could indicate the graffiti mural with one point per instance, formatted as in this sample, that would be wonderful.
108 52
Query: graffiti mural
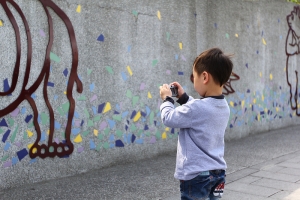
52 149
292 48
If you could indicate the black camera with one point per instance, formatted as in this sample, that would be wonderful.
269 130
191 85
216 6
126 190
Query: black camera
174 91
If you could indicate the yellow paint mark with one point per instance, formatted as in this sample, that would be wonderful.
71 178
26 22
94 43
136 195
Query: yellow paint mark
158 15
1 23
78 139
78 9
266 110
231 103
260 74
284 69
137 116
271 77
29 133
294 113
262 97
34 149
243 103
258 117
48 132
65 92
107 107
236 35
149 95
129 70
264 41
180 45
164 135
254 101
167 129
277 109
96 132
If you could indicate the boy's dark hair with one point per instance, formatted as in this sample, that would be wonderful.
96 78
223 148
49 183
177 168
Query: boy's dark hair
216 63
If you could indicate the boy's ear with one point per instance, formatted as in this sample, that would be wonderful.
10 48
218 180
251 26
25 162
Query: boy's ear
205 77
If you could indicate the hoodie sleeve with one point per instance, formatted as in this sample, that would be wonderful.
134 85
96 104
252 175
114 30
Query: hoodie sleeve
179 117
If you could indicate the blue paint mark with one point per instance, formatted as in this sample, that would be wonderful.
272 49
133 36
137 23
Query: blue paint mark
28 118
57 125
75 131
133 137
133 114
148 110
6 147
50 84
43 137
66 72
39 119
94 110
111 123
112 145
3 123
76 114
101 107
92 144
139 141
124 76
14 160
176 56
101 38
23 110
33 160
129 48
55 97
146 127
5 136
119 143
33 96
22 153
6 86
180 73
111 138
216 25
124 114
92 87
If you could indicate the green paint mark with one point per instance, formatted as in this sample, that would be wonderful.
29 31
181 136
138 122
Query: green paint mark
129 94
11 122
158 135
135 13
135 99
89 71
100 136
13 136
82 98
54 57
44 118
119 133
61 112
117 117
109 69
106 145
66 107
98 146
86 113
25 136
106 131
139 132
85 133
1 131
148 134
30 125
63 134
151 117
154 62
90 123
133 127
168 36
227 35
51 149
97 118
4 158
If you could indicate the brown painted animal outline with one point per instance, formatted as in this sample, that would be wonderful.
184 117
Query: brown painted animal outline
37 150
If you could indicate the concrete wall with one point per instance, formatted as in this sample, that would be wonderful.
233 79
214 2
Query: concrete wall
126 50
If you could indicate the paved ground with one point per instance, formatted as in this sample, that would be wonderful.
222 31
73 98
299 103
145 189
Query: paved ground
260 167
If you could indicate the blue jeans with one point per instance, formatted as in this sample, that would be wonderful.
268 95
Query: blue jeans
207 185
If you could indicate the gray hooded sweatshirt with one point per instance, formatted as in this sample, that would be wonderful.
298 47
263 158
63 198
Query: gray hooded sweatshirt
202 124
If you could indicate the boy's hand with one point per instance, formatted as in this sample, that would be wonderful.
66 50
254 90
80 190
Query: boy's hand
165 91
180 89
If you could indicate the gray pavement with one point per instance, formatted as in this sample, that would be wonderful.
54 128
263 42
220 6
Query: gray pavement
262 166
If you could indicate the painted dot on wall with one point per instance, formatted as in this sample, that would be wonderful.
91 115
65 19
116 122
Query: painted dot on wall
101 38
1 23
236 35
216 25
246 65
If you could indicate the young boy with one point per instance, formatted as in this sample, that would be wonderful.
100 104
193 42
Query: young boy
200 165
